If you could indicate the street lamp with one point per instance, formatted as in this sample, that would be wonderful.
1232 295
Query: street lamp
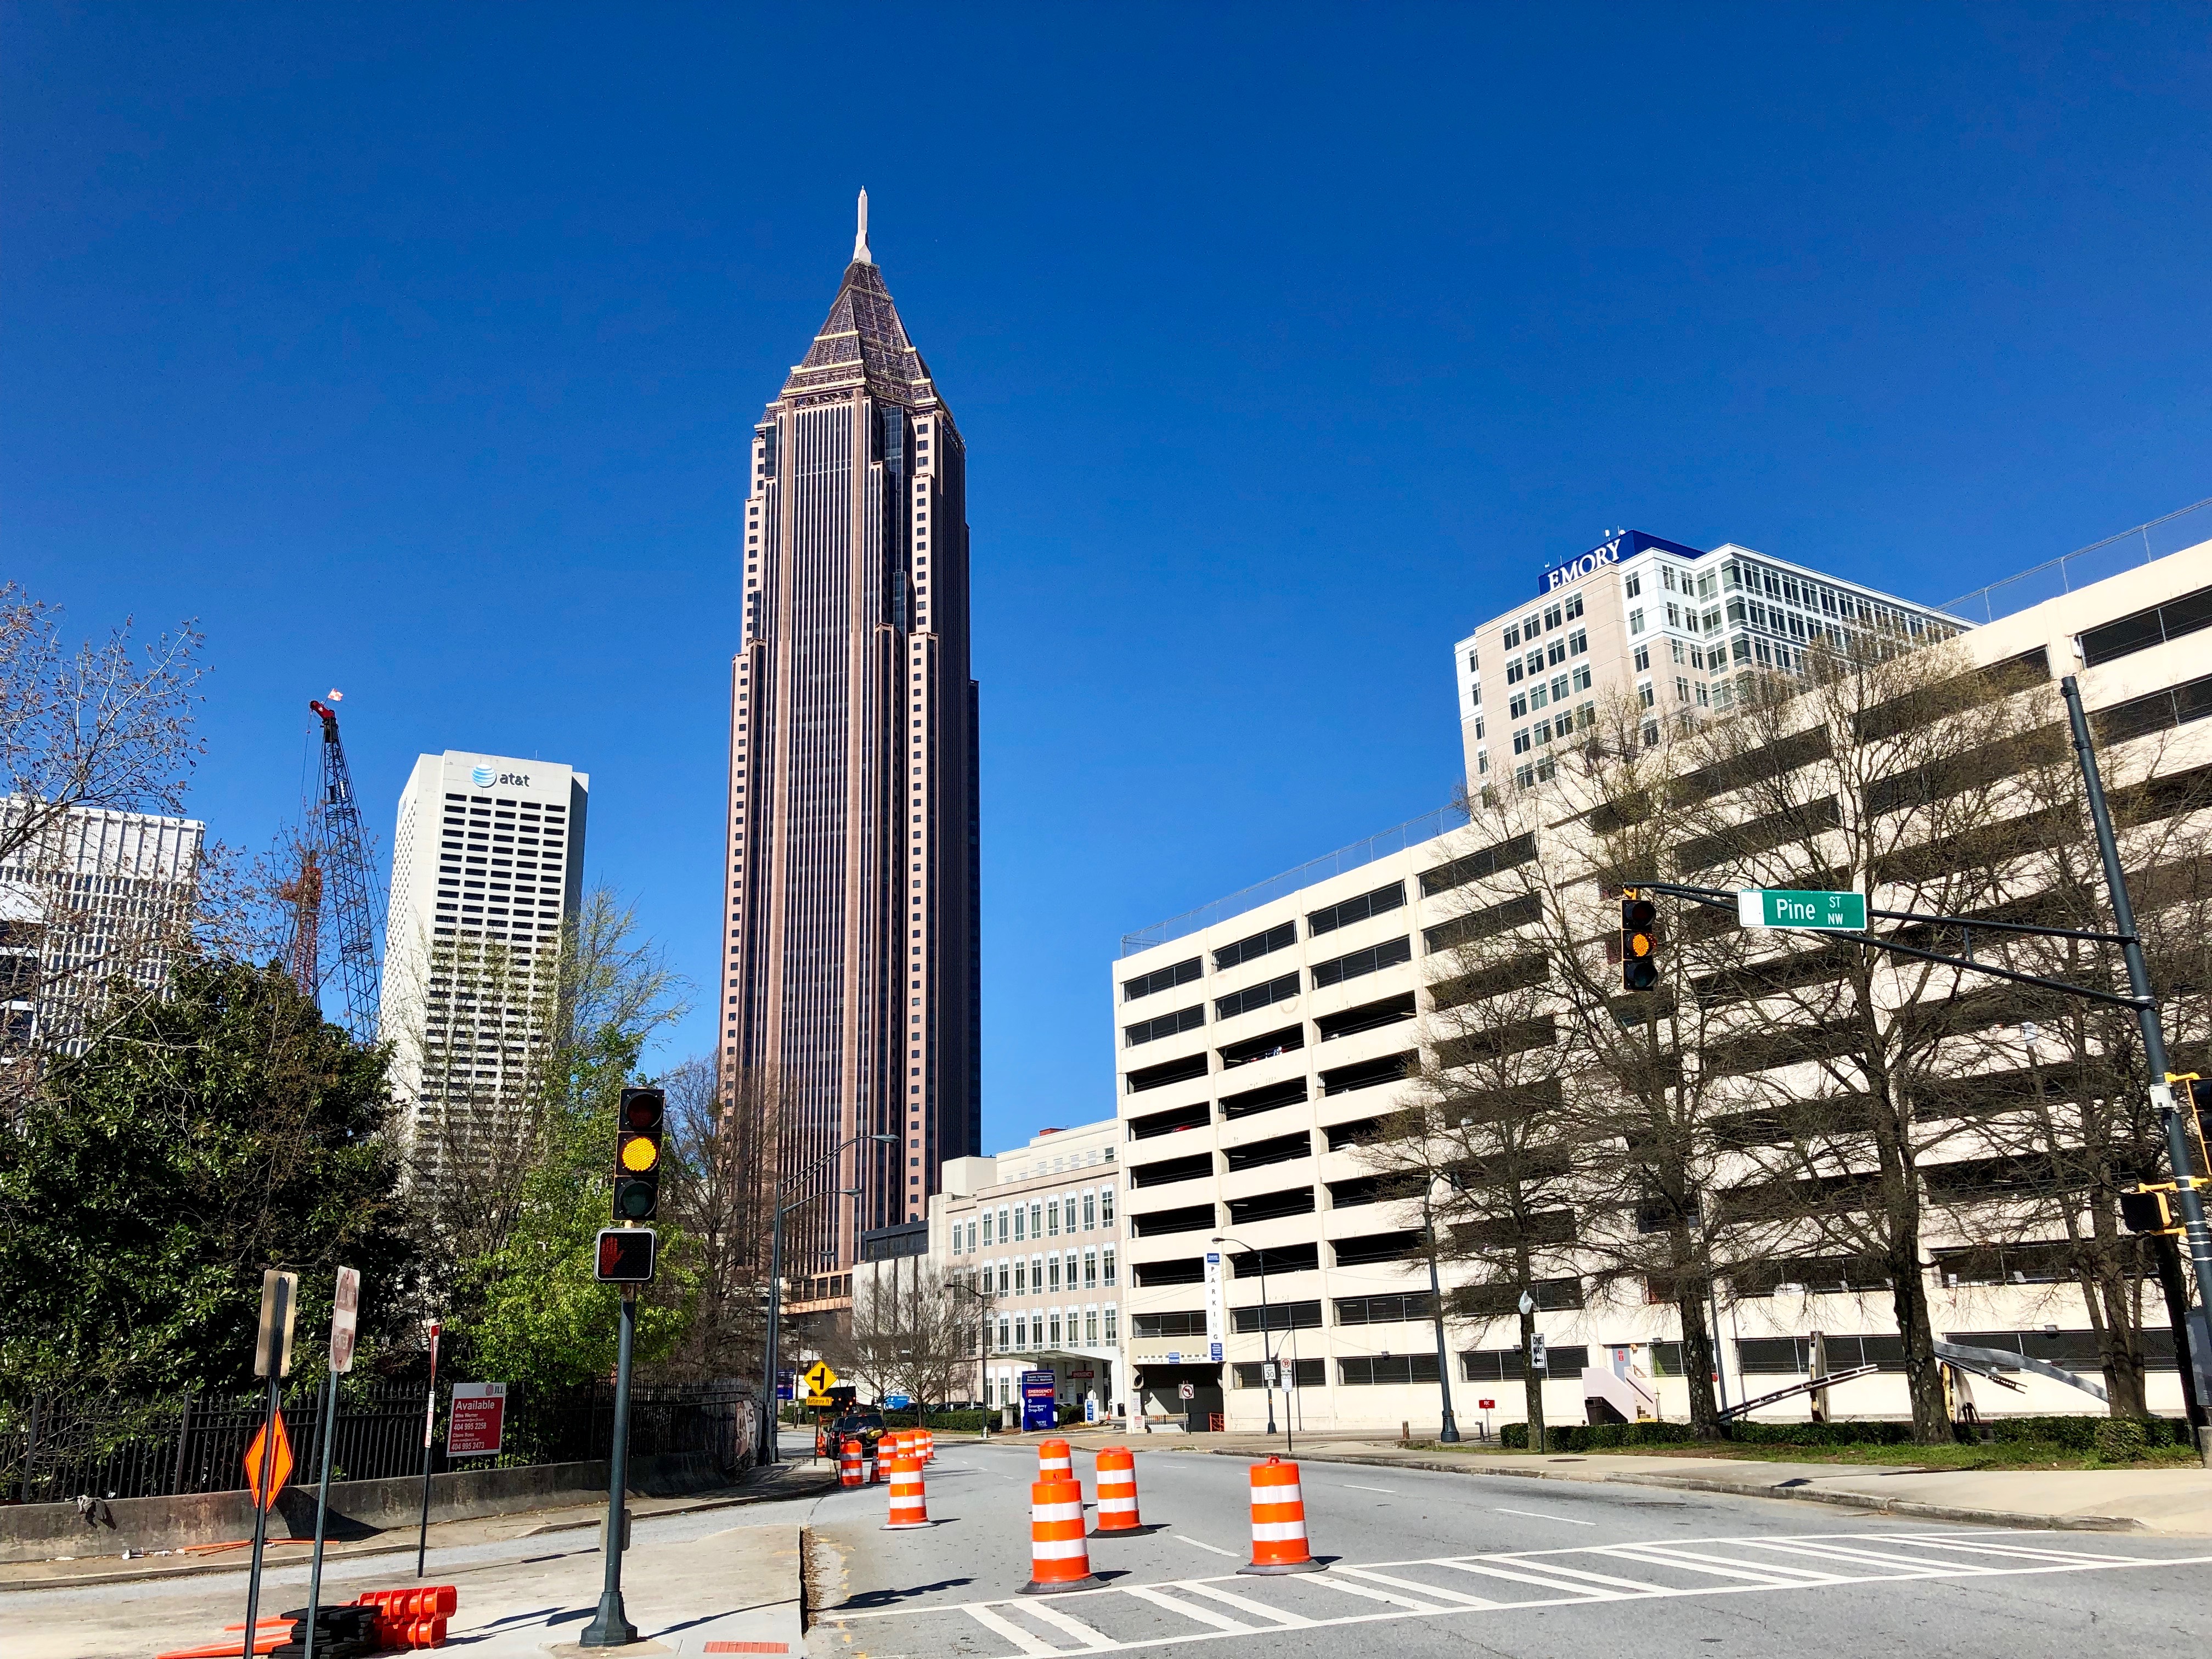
982 1300
770 1453
1437 1189
1266 1321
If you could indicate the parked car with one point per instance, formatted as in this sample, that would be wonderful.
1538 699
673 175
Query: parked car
866 1426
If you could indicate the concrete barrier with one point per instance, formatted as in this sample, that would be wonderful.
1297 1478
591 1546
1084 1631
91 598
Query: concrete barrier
44 1532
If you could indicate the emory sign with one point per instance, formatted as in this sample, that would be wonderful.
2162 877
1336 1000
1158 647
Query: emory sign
1626 546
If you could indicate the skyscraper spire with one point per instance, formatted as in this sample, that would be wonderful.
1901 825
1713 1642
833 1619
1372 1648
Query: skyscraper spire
861 254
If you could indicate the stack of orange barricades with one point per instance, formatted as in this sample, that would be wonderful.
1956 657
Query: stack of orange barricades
412 1618
1117 1490
1278 1521
848 1464
1058 1558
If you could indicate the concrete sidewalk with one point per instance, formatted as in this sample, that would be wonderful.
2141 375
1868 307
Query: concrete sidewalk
2167 1501
782 1481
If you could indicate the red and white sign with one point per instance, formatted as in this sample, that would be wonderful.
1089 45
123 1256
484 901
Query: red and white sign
1486 1405
345 1316
478 1419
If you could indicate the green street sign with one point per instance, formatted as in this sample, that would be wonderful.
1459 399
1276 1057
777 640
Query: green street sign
1781 906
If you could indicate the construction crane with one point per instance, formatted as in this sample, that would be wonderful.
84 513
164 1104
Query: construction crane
334 864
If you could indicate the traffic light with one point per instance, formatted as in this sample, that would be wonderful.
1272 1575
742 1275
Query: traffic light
625 1255
637 1154
2148 1210
1639 941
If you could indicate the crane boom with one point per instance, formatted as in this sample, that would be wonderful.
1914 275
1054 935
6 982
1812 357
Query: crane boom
346 876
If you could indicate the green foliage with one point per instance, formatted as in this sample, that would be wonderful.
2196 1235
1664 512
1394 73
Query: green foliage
2117 1439
533 1312
1595 1437
218 1131
959 1422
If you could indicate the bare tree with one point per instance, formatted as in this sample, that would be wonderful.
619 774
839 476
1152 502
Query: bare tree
723 1162
910 1332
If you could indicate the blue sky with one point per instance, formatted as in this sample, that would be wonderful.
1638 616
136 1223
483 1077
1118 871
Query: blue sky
412 350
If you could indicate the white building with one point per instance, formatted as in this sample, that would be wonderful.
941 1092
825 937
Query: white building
1675 623
1257 1040
86 898
487 865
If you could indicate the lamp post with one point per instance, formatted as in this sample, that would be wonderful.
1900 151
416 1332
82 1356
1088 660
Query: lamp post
1266 1321
982 1301
770 1452
1450 1435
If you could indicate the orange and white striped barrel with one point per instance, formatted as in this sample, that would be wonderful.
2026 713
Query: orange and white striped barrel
894 1443
1054 1462
1058 1558
849 1465
1278 1521
1117 1490
928 1439
909 1503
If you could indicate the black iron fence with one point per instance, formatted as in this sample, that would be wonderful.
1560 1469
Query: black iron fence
57 1447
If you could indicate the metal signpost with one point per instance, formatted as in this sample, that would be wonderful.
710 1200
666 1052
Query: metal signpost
429 1436
272 1358
345 1317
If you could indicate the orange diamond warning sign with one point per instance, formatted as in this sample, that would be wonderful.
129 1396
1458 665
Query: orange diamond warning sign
279 1475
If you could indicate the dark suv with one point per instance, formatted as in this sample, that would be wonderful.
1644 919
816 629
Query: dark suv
865 1426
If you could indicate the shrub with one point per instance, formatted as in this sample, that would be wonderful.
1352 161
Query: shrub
2121 1439
1597 1437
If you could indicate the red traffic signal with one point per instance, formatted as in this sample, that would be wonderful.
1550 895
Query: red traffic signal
625 1255
1639 941
638 1124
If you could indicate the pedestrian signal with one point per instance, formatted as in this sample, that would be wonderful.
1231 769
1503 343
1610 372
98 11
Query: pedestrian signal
625 1255
1639 941
637 1154
2148 1210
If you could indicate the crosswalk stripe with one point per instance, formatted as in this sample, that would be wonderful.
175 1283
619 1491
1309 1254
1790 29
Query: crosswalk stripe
1243 1604
1690 1561
1458 1597
1196 1615
1631 1586
1826 1552
1075 1627
1023 1641
2022 1552
1349 1589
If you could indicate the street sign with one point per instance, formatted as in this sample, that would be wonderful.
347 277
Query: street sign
898 1402
478 1419
1486 1405
1040 1401
345 1317
1538 1360
1827 912
1216 1318
818 1377
279 1474
1186 1390
821 1402
272 1341
1268 1372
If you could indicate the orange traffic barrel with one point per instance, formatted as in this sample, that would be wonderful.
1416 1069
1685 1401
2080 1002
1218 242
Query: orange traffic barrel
909 1503
1058 1558
1117 1490
849 1465
928 1439
1054 1462
1278 1521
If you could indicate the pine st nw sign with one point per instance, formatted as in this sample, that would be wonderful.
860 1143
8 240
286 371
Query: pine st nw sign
1771 907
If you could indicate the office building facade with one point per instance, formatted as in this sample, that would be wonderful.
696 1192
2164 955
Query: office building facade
487 873
1674 626
1261 1044
851 973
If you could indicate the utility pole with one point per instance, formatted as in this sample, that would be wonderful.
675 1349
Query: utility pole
1449 1435
610 1627
2199 1324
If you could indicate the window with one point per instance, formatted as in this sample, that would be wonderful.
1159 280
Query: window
1020 1232
2161 622
1574 606
1365 1370
1110 1310
1555 653
1582 677
1036 1220
1673 616
1517 708
1559 687
1511 638
1513 672
1106 1266
1577 642
1091 1270
1151 1030
1280 1316
1666 577
987 1226
1002 1278
1551 619
1090 1327
1021 1276
1052 1217
1145 1326
1682 688
1540 697
1712 620
1055 1327
1642 659
1004 1335
1388 954
1385 1310
1521 741
1675 652
1474 695
1634 585
1161 980
1257 996
1377 902
1509 1364
1636 621
1003 1234
1644 694
1257 944
1052 1267
1090 1212
1106 1211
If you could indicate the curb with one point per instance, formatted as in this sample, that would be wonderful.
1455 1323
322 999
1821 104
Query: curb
1866 1501
398 1547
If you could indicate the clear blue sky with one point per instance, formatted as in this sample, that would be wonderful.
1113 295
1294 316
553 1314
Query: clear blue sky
411 349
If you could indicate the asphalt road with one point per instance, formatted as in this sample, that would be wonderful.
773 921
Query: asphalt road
1446 1564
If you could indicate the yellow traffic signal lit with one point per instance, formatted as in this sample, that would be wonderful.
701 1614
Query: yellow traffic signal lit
639 1154
1639 941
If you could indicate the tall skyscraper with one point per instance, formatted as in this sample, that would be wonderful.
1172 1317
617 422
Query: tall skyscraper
487 865
853 969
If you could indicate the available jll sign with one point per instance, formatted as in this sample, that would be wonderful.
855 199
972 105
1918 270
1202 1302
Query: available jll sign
479 1420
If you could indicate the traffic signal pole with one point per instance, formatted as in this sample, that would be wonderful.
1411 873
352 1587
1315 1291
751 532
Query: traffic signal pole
2199 1329
611 1627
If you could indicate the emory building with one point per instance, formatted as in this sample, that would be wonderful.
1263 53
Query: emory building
852 973
1674 625
487 865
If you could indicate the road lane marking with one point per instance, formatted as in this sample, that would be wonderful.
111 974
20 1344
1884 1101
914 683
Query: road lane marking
1243 1604
1917 1569
1632 1586
2021 1551
1657 1555
1432 1591
1590 1592
1196 1615
1538 1514
1023 1641
1075 1627
1388 1492
1331 1581
1216 1548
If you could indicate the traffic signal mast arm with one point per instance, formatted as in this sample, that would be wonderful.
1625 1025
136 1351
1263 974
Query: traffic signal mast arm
1724 900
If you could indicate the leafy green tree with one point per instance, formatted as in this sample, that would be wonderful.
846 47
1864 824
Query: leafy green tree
144 1189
